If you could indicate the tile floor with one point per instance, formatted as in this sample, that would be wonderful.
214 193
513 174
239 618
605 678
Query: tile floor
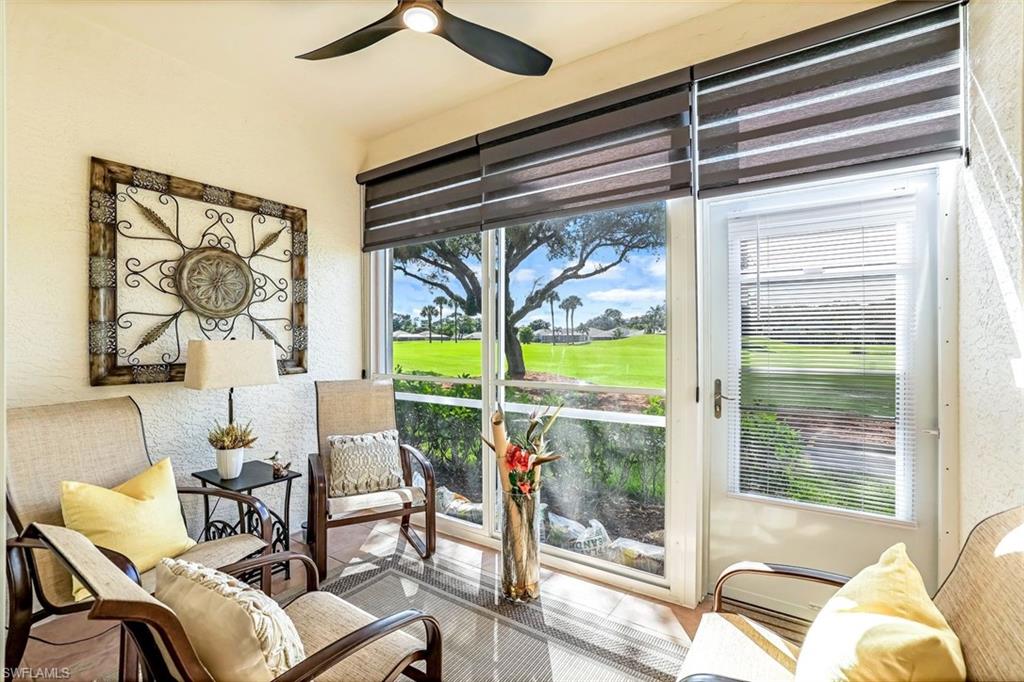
96 657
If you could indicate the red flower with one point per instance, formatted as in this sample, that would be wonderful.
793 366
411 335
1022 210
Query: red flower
524 487
517 459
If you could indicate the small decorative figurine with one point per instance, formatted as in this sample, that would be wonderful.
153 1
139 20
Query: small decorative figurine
280 467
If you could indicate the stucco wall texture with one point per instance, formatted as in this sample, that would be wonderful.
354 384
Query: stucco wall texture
991 268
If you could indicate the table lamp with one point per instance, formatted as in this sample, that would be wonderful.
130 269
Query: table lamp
230 364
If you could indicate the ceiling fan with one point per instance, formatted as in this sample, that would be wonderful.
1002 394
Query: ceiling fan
429 16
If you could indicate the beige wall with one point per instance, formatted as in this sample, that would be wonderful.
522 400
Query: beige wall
76 90
707 36
992 268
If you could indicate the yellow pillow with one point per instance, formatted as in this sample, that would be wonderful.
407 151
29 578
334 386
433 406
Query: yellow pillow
881 626
141 518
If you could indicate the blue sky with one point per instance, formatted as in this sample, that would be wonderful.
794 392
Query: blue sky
631 287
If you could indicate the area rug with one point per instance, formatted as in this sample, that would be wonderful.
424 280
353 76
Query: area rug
486 638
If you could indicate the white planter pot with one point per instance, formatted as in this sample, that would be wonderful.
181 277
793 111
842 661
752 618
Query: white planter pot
229 462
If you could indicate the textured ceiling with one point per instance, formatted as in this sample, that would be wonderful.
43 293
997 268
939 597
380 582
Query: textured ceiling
390 84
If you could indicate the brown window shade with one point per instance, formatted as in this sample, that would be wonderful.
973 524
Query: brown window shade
888 93
626 152
625 146
880 86
439 198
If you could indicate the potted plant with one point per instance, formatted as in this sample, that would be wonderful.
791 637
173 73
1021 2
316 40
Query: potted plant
230 443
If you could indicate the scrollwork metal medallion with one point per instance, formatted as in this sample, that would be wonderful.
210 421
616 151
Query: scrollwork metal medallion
172 259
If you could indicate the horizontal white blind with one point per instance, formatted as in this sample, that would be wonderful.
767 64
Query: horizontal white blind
819 322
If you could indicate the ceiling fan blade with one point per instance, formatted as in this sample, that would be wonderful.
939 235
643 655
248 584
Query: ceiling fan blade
364 37
494 48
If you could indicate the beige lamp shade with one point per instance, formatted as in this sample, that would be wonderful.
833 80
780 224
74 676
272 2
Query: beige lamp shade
229 364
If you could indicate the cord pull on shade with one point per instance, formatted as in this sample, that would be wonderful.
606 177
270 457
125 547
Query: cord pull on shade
230 364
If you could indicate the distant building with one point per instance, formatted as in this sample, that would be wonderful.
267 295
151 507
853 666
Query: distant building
560 336
611 334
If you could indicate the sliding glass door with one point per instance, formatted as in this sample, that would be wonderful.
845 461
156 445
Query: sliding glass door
568 311
433 349
582 325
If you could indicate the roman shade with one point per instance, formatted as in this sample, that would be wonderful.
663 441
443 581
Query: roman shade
887 93
428 197
624 147
881 85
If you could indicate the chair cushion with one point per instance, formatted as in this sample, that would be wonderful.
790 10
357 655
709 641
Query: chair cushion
321 618
141 518
213 553
730 645
881 626
366 463
385 498
238 632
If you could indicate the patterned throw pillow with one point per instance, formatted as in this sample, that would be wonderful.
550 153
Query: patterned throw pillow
366 463
238 632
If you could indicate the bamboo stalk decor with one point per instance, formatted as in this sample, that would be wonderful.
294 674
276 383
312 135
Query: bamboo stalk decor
519 467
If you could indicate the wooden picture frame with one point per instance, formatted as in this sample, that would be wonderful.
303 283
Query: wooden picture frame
105 231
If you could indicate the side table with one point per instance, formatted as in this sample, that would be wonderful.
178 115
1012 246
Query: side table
254 475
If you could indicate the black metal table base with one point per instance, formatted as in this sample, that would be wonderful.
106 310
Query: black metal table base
249 522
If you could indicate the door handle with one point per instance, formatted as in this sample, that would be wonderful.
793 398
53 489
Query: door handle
719 397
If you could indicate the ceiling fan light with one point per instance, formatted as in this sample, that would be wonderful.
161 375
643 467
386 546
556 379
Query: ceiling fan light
420 19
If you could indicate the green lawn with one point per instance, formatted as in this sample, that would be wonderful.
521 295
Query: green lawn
637 361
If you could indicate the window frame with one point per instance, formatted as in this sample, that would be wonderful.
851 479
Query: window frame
683 482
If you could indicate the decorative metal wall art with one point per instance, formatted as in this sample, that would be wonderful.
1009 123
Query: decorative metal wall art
172 259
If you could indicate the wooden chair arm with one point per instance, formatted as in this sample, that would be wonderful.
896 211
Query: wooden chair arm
312 579
780 570
426 468
322 660
317 477
266 525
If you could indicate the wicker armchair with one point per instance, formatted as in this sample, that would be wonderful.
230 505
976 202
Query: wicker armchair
101 442
349 408
342 642
980 600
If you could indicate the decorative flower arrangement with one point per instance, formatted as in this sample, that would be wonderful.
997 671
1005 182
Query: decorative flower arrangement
519 463
524 455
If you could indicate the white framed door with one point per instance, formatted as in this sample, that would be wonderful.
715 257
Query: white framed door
820 334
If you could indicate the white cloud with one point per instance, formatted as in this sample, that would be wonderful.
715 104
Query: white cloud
524 275
655 267
651 295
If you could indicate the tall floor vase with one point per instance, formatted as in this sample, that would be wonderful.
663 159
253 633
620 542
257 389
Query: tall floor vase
520 537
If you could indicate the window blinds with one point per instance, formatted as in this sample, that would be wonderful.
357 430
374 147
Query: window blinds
891 92
627 146
424 201
820 325
618 152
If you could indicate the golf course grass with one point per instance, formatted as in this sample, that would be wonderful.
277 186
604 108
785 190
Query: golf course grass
864 375
636 361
